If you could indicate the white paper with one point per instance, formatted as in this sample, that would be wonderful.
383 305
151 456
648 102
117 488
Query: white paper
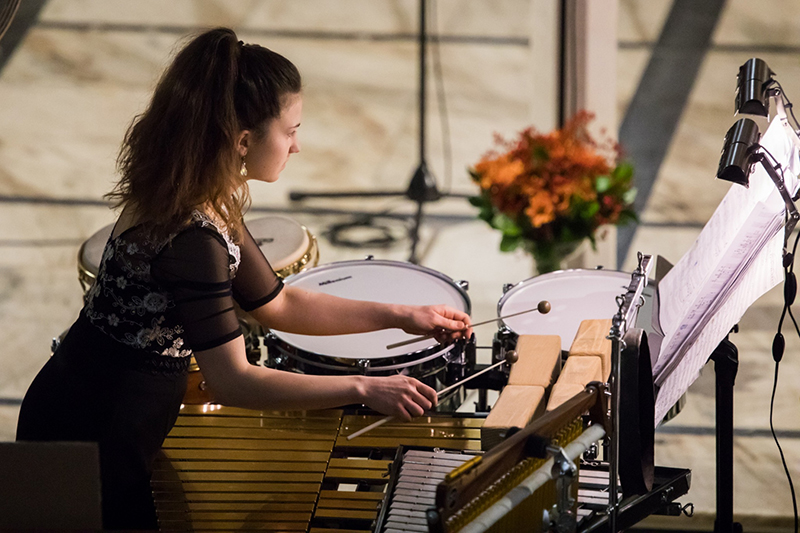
735 259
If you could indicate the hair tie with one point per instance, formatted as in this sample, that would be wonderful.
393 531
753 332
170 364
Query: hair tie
241 43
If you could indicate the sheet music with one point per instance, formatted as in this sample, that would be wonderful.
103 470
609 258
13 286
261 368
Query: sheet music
735 260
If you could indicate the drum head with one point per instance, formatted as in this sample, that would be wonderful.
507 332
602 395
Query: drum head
378 281
575 295
282 240
92 250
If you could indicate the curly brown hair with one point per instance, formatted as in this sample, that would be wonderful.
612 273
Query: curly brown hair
179 155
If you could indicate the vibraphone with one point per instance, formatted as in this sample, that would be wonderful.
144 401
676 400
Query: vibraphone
226 469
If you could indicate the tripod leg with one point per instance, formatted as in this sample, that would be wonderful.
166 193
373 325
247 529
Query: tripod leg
296 196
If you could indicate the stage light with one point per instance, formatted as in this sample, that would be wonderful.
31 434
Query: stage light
752 96
736 161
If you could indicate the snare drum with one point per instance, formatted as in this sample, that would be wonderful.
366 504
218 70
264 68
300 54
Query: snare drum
288 245
365 353
575 296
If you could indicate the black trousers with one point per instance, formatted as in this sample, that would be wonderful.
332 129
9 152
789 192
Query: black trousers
79 396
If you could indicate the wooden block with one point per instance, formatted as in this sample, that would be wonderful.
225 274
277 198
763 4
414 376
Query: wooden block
517 406
591 340
581 370
539 361
561 393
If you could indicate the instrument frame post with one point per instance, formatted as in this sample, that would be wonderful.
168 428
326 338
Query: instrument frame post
726 365
628 304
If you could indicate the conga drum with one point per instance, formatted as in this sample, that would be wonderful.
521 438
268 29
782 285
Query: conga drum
90 255
288 245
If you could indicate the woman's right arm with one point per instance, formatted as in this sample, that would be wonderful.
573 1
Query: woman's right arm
236 382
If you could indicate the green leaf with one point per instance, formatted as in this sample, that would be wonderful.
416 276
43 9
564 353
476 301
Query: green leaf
506 225
476 176
540 154
486 214
509 243
627 216
623 171
630 195
477 201
590 210
602 183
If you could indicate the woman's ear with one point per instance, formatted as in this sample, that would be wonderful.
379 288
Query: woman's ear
243 142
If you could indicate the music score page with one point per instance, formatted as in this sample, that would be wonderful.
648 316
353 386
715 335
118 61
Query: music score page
734 261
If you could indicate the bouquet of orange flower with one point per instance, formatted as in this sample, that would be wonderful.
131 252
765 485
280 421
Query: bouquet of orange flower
549 192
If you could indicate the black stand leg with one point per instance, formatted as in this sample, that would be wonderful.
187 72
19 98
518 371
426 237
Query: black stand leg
726 364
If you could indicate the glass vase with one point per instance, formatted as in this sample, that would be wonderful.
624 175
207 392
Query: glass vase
549 257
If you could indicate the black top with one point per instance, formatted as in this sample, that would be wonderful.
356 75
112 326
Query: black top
156 301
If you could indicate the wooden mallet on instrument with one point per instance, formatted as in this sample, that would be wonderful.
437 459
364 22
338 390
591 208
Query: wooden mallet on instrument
511 357
543 308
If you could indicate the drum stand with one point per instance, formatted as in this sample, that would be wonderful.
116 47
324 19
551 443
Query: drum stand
422 188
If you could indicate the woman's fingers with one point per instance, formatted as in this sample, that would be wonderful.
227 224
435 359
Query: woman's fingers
400 396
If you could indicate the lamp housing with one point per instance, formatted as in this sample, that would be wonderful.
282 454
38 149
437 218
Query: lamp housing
736 162
752 84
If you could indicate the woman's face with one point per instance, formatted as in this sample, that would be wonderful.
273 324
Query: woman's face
266 156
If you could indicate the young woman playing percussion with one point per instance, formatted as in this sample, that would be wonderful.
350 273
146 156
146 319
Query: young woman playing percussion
223 113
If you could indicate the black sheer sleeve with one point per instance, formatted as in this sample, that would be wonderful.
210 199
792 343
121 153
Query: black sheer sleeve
195 268
256 283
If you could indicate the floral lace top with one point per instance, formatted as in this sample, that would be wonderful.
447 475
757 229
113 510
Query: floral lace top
164 299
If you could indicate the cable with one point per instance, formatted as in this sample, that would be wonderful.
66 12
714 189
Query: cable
788 105
438 77
778 345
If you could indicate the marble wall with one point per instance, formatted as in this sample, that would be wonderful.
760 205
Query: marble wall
87 67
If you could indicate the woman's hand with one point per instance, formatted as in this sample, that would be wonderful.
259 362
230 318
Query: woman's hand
445 323
400 396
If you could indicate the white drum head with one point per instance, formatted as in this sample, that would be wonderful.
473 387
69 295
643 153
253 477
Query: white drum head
574 296
378 281
92 249
282 240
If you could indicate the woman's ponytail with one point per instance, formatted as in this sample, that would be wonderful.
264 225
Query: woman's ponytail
179 155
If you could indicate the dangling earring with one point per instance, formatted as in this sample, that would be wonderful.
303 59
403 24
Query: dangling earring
243 170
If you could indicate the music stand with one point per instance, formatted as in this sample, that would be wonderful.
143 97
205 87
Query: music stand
422 187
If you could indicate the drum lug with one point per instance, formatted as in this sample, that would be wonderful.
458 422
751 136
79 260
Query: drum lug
507 287
363 365
464 284
370 257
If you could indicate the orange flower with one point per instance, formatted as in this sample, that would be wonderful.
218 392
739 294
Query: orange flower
550 184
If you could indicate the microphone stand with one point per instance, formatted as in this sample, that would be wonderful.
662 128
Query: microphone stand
422 187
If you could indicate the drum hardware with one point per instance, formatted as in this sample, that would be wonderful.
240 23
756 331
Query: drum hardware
561 518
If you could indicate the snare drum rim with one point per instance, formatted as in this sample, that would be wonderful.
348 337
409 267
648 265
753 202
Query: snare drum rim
396 362
554 275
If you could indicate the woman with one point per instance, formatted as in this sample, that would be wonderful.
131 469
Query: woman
179 256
